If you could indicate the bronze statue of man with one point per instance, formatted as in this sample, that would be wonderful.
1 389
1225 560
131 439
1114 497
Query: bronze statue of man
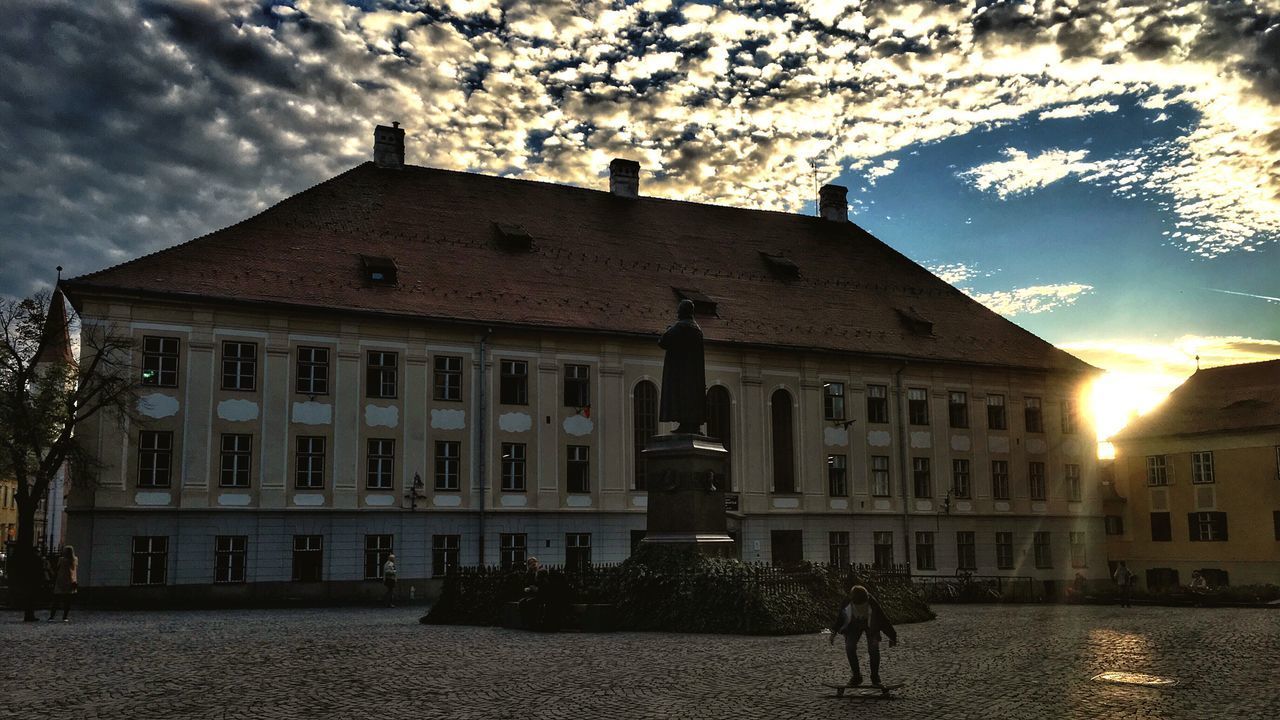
684 381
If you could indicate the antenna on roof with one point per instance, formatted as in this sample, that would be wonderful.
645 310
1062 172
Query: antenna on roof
1197 362
813 163
59 273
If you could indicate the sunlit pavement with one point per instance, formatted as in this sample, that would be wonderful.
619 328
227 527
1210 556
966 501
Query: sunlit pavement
972 662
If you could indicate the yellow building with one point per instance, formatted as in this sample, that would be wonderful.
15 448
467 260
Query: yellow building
464 369
8 509
1197 482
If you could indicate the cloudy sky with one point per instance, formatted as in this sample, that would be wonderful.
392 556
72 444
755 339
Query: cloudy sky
1104 172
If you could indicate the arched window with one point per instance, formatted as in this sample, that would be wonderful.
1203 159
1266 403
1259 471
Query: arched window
718 424
784 455
644 409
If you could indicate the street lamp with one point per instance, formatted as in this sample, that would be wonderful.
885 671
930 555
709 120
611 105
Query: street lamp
415 492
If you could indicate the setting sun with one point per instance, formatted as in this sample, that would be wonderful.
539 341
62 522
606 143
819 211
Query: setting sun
1115 398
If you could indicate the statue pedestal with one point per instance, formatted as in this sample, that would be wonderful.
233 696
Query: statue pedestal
685 505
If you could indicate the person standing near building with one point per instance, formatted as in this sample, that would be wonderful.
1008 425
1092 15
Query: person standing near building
1124 581
389 580
65 583
862 614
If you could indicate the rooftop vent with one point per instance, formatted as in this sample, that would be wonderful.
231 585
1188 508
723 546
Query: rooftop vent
378 270
703 306
781 267
388 146
915 322
624 178
512 237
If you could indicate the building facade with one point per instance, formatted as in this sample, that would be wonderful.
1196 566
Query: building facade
463 370
1198 482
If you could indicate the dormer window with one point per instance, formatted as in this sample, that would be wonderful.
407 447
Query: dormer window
915 322
703 306
378 270
782 267
513 237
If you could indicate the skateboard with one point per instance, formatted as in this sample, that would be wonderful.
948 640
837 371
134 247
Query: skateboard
864 691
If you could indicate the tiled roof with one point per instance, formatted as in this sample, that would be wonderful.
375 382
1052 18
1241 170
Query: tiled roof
1221 399
598 262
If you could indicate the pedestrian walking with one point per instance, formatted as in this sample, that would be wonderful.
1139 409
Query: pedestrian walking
389 580
862 615
65 583
1124 582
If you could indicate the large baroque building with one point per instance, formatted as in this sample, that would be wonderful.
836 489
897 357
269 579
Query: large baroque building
1197 482
463 369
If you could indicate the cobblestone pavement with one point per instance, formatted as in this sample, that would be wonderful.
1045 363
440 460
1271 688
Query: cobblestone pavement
972 662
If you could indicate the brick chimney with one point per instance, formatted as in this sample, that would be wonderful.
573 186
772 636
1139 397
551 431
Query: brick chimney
388 146
832 203
624 178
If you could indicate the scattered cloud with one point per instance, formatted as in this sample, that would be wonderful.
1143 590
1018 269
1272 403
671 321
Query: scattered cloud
1079 110
1031 300
1022 173
131 126
884 169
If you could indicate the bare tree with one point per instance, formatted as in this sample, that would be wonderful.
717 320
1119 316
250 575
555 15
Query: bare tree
45 393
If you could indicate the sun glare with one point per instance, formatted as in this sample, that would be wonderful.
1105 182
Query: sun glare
1116 398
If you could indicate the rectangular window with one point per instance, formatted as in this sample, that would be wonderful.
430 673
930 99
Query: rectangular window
577 386
1044 554
838 544
239 366
921 481
877 403
966 550
150 564
837 476
513 465
960 478
883 549
377 548
918 406
308 558
1000 479
1114 524
380 374
309 473
1070 418
924 551
1207 526
833 401
1157 470
511 548
155 458
1033 413
577 551
1161 527
1078 559
1075 491
313 371
513 382
230 557
448 382
578 469
996 419
381 464
160 361
880 475
1004 550
958 409
1202 467
1036 481
444 553
448 460
237 456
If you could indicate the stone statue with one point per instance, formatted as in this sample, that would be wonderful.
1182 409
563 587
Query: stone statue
684 383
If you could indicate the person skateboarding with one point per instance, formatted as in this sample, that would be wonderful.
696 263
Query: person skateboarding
861 614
